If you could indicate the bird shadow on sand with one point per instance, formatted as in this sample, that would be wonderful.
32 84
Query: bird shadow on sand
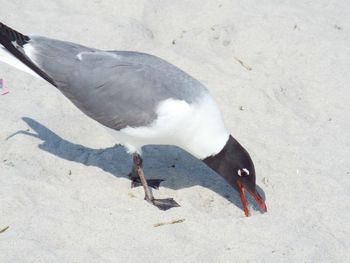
178 168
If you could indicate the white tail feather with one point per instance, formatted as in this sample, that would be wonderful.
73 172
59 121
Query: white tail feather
8 58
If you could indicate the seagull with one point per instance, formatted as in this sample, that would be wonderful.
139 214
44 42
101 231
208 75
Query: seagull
141 99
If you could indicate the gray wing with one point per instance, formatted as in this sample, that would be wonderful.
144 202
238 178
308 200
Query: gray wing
116 88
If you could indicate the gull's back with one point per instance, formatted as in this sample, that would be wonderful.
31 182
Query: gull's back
116 88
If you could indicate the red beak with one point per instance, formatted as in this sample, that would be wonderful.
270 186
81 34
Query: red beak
256 197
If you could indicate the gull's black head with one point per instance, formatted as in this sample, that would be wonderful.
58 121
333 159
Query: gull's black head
235 165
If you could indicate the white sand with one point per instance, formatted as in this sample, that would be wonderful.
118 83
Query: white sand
295 123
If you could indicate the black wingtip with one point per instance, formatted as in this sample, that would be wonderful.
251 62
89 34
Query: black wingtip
12 35
8 37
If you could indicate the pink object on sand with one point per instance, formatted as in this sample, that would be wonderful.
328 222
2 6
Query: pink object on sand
3 89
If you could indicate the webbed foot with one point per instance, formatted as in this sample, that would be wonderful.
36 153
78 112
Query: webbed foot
154 183
165 204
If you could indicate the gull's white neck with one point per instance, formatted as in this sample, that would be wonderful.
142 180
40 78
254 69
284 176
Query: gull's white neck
205 132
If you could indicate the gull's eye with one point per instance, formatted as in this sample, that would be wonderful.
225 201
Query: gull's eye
243 172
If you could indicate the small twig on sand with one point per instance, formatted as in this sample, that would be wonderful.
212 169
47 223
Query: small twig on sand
170 222
246 66
4 229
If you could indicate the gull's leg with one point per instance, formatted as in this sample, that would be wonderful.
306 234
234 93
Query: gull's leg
162 204
135 178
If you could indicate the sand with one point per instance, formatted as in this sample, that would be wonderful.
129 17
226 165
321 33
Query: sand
279 71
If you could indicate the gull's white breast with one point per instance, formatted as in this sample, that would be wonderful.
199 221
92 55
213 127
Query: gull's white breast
195 127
